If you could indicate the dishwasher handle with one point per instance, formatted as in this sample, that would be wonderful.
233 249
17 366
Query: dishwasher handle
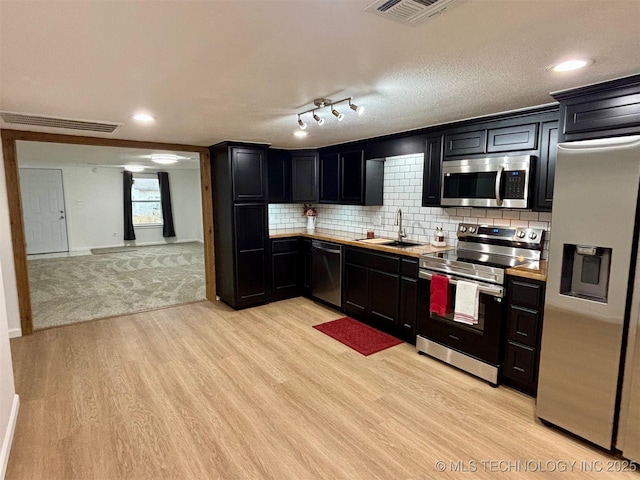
317 246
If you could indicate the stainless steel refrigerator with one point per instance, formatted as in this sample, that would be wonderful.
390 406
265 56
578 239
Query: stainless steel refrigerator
589 380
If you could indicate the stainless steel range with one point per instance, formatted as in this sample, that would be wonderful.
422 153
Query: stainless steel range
483 254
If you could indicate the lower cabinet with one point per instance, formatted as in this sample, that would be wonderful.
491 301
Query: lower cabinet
382 290
285 267
525 307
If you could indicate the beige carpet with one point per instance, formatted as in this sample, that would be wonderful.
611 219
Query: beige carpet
72 289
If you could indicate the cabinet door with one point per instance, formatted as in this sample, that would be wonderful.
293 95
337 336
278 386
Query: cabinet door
249 174
304 249
356 289
250 222
408 308
547 166
466 143
384 292
431 181
279 176
507 139
329 176
284 268
352 177
523 325
520 364
304 177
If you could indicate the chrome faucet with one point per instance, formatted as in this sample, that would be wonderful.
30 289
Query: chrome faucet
401 233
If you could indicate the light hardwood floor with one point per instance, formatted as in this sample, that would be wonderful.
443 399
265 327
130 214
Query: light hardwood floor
200 391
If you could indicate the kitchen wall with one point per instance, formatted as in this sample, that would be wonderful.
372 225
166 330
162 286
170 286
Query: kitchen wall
403 188
93 198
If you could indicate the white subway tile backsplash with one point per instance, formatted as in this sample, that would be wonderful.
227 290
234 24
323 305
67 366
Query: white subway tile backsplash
403 188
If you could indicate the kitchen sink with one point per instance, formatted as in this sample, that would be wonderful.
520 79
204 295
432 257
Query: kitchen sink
396 243
388 242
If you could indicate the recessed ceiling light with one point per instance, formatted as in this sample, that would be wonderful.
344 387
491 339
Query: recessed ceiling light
143 117
570 65
300 133
164 158
134 168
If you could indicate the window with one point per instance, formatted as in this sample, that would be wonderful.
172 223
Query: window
145 201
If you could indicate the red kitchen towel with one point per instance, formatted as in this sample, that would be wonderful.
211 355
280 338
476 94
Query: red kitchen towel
439 295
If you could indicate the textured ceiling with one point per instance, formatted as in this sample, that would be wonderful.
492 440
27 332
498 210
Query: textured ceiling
242 70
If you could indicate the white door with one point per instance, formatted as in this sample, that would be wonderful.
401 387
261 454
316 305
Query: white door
45 225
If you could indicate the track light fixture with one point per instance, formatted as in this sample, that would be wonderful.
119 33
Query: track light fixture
326 102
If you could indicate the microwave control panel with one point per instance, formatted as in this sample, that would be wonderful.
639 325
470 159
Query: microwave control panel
514 181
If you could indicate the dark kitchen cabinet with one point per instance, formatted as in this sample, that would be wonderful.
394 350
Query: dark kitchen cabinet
509 139
465 143
293 176
408 299
304 177
356 289
285 265
606 109
431 181
249 174
279 176
329 178
304 281
373 292
384 293
347 178
525 306
239 180
546 173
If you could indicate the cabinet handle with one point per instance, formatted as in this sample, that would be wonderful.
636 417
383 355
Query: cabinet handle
518 369
454 337
406 325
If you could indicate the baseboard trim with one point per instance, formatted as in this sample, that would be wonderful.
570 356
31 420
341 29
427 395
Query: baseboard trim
14 333
133 243
8 436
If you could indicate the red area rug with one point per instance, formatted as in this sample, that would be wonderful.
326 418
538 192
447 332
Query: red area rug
362 338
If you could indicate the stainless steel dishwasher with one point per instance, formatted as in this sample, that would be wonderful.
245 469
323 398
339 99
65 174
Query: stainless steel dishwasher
326 272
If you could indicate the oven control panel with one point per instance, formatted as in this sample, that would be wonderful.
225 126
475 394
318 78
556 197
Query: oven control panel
532 236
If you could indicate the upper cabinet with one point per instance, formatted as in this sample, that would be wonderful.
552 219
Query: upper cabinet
347 178
431 180
546 173
519 137
603 110
249 174
465 143
293 176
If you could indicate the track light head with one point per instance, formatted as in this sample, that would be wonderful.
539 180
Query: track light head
318 119
301 123
358 109
337 114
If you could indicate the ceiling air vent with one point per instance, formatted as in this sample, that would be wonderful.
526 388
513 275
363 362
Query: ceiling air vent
409 12
59 122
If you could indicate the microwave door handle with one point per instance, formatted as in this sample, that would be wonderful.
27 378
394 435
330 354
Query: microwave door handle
499 184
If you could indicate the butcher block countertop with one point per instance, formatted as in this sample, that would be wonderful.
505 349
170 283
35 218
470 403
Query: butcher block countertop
532 270
349 238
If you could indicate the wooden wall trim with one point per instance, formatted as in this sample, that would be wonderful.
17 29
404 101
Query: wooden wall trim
9 138
17 233
207 225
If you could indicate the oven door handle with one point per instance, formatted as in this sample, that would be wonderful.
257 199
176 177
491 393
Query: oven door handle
499 185
493 290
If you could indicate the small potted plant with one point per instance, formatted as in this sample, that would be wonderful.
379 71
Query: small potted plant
311 213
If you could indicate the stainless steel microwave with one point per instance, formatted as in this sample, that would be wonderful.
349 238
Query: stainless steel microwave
502 182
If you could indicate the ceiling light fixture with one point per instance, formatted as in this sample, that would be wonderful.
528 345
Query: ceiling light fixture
164 158
327 102
134 168
570 65
143 117
300 133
